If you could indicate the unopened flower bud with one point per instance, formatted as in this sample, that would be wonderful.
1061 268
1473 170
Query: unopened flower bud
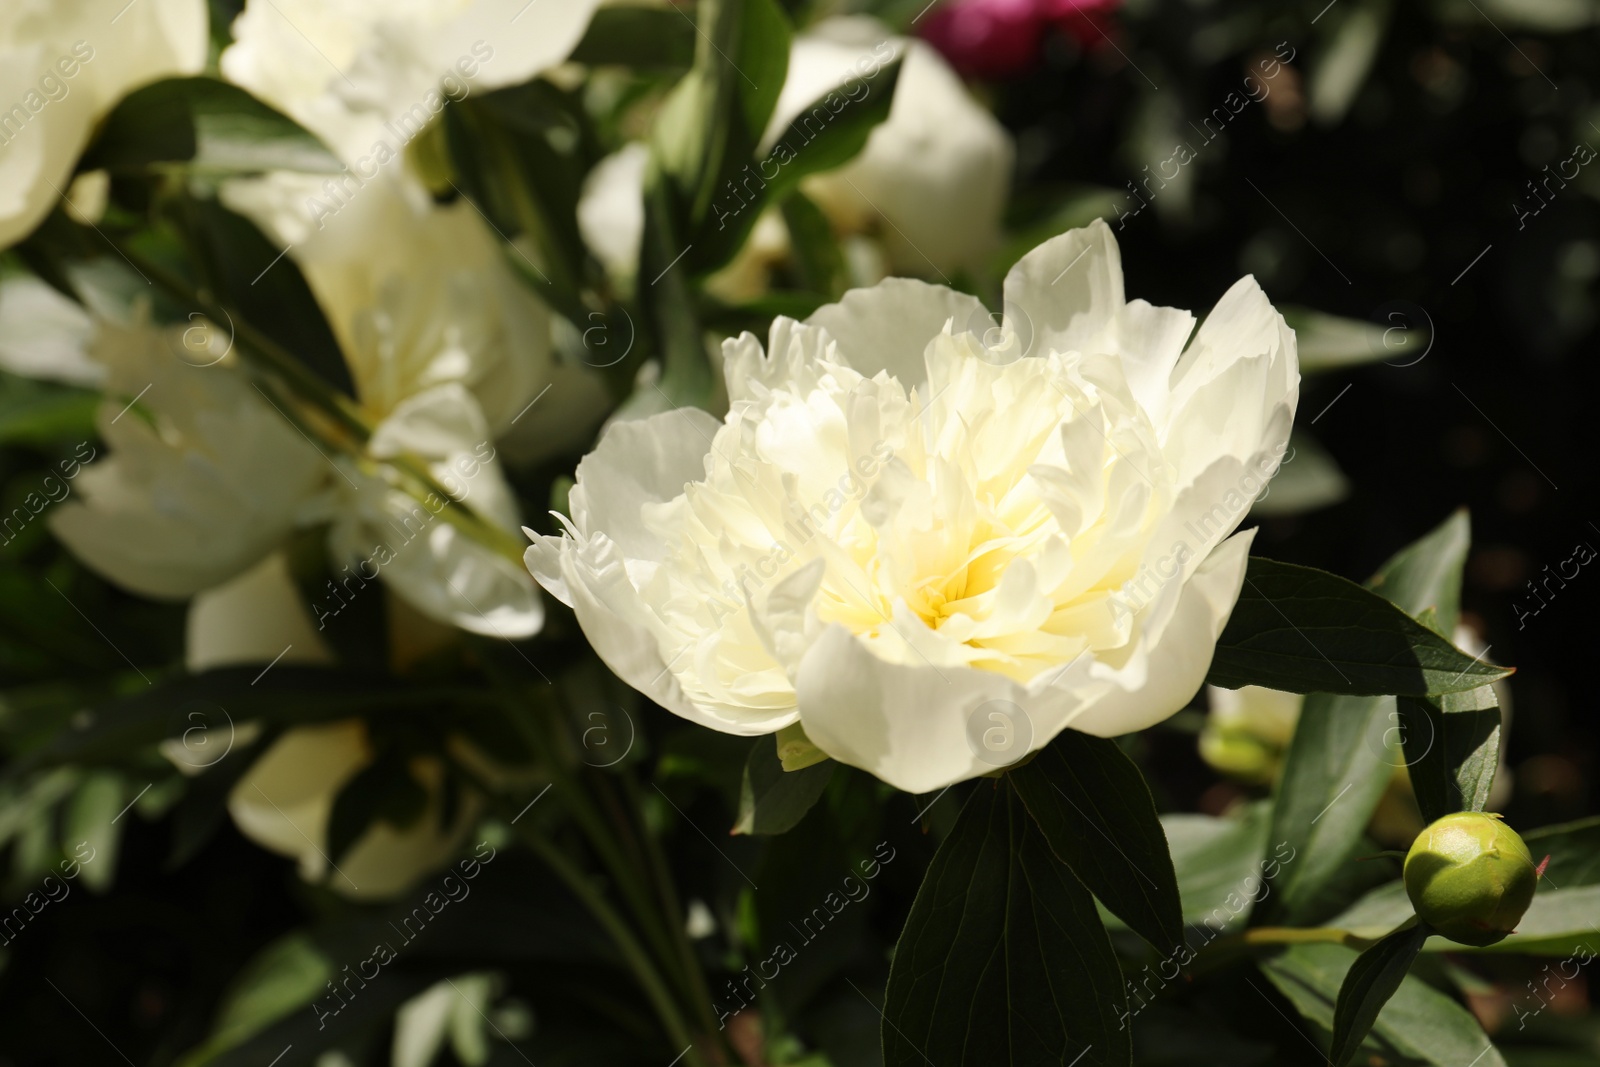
1470 877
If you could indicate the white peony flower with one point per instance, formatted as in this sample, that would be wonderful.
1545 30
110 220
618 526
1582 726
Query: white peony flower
204 477
285 801
44 334
368 77
64 64
903 529
932 181
451 357
929 186
1248 729
207 477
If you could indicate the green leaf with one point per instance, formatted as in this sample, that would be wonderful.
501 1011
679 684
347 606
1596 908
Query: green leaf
1340 761
519 154
1368 985
707 131
209 124
234 257
1427 573
91 818
1091 803
1003 958
1574 851
771 799
40 413
1343 753
1559 922
1419 1024
1214 859
285 976
638 37
1331 342
1452 749
1307 480
832 130
1307 631
818 260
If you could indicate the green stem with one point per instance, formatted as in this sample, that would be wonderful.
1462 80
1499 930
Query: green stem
662 922
669 899
637 958
1225 950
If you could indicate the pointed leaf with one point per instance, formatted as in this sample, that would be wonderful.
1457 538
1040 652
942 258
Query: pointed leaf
1307 631
1343 753
1091 804
1369 984
1003 958
1418 1025
771 799
1452 749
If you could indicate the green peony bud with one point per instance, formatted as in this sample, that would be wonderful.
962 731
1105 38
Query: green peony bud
1470 877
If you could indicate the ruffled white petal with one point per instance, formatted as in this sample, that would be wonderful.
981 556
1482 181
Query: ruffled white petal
888 327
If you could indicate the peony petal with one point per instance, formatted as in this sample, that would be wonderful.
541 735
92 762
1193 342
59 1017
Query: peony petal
259 617
1062 294
640 462
908 724
1178 657
888 327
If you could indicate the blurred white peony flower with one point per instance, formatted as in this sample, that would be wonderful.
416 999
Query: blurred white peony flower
204 477
285 801
930 184
933 178
64 64
207 477
44 334
1248 730
451 357
367 77
902 528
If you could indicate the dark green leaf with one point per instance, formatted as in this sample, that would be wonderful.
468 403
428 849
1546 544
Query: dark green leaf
517 154
1344 750
209 124
1003 958
638 37
833 129
1092 805
1574 851
1214 858
1307 631
1370 982
116 731
818 260
1452 751
252 277
771 799
1418 1025
1339 762
1427 573
37 413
